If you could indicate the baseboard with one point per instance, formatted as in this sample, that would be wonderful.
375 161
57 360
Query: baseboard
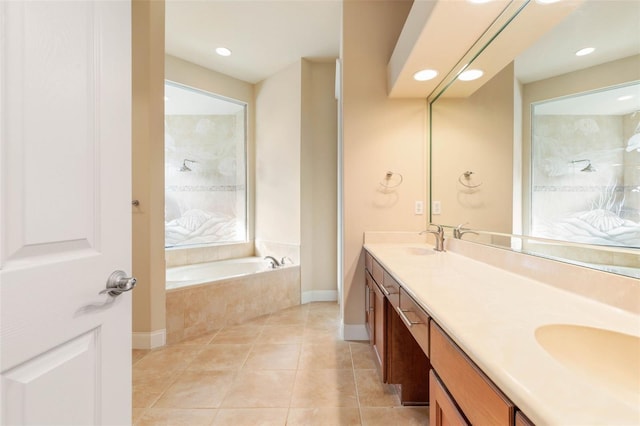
148 340
319 296
354 332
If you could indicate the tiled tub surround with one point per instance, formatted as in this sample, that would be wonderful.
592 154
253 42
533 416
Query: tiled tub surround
493 313
198 309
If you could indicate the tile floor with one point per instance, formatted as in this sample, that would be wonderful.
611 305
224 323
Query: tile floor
287 368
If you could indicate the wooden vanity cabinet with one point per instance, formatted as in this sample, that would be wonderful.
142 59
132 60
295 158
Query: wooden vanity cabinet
478 398
442 409
522 420
376 311
369 307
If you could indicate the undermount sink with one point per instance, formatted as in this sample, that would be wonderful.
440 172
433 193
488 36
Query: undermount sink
607 358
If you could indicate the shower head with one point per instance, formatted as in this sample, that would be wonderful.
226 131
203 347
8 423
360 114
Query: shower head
588 168
184 167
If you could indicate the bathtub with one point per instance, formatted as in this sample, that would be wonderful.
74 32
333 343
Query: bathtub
200 273
204 297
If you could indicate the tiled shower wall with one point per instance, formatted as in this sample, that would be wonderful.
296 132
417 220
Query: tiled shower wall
600 207
205 204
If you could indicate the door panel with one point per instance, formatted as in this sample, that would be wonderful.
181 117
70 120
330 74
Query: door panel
65 212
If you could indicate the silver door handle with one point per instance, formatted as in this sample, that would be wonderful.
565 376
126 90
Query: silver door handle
118 283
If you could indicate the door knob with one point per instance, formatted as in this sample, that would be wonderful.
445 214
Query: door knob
118 283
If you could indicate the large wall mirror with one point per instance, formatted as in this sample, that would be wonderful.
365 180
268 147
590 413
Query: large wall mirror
542 152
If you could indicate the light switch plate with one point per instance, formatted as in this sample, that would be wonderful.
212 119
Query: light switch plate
436 207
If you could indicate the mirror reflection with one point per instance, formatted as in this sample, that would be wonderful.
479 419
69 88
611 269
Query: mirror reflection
547 147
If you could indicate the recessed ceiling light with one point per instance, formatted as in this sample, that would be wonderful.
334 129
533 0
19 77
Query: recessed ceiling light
585 51
425 75
223 51
546 1
625 97
469 75
479 1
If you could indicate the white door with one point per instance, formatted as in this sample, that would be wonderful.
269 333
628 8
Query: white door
65 211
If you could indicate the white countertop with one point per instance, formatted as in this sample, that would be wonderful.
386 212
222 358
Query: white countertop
492 314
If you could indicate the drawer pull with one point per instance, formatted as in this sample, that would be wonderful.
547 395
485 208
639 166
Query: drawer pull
404 318
384 290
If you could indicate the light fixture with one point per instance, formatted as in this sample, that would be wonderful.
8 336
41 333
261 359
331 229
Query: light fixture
469 75
625 98
479 1
223 51
546 1
425 75
585 51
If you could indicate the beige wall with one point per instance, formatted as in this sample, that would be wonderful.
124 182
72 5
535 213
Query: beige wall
148 165
318 251
296 171
475 134
379 134
278 123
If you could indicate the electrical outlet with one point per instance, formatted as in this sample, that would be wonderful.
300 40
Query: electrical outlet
436 207
419 209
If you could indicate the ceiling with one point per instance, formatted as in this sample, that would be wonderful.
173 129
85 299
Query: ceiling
265 36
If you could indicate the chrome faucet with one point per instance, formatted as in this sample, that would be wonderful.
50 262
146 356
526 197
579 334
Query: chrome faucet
459 231
439 233
274 261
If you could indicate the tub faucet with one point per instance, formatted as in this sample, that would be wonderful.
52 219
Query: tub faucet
439 233
274 261
459 231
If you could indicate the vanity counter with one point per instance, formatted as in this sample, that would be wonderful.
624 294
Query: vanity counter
494 315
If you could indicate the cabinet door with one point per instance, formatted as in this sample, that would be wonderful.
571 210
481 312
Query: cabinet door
379 336
369 297
442 410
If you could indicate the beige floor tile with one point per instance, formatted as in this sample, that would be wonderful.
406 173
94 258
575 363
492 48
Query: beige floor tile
168 358
273 357
363 356
220 357
142 399
324 416
136 414
251 417
260 389
405 416
137 355
324 388
177 417
372 392
197 389
281 334
152 380
288 317
238 334
199 340
320 335
335 355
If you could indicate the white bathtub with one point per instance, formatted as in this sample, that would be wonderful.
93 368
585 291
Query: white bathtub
200 273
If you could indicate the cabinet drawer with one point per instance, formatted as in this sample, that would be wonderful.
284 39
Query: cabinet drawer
376 271
479 399
392 290
368 261
416 319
